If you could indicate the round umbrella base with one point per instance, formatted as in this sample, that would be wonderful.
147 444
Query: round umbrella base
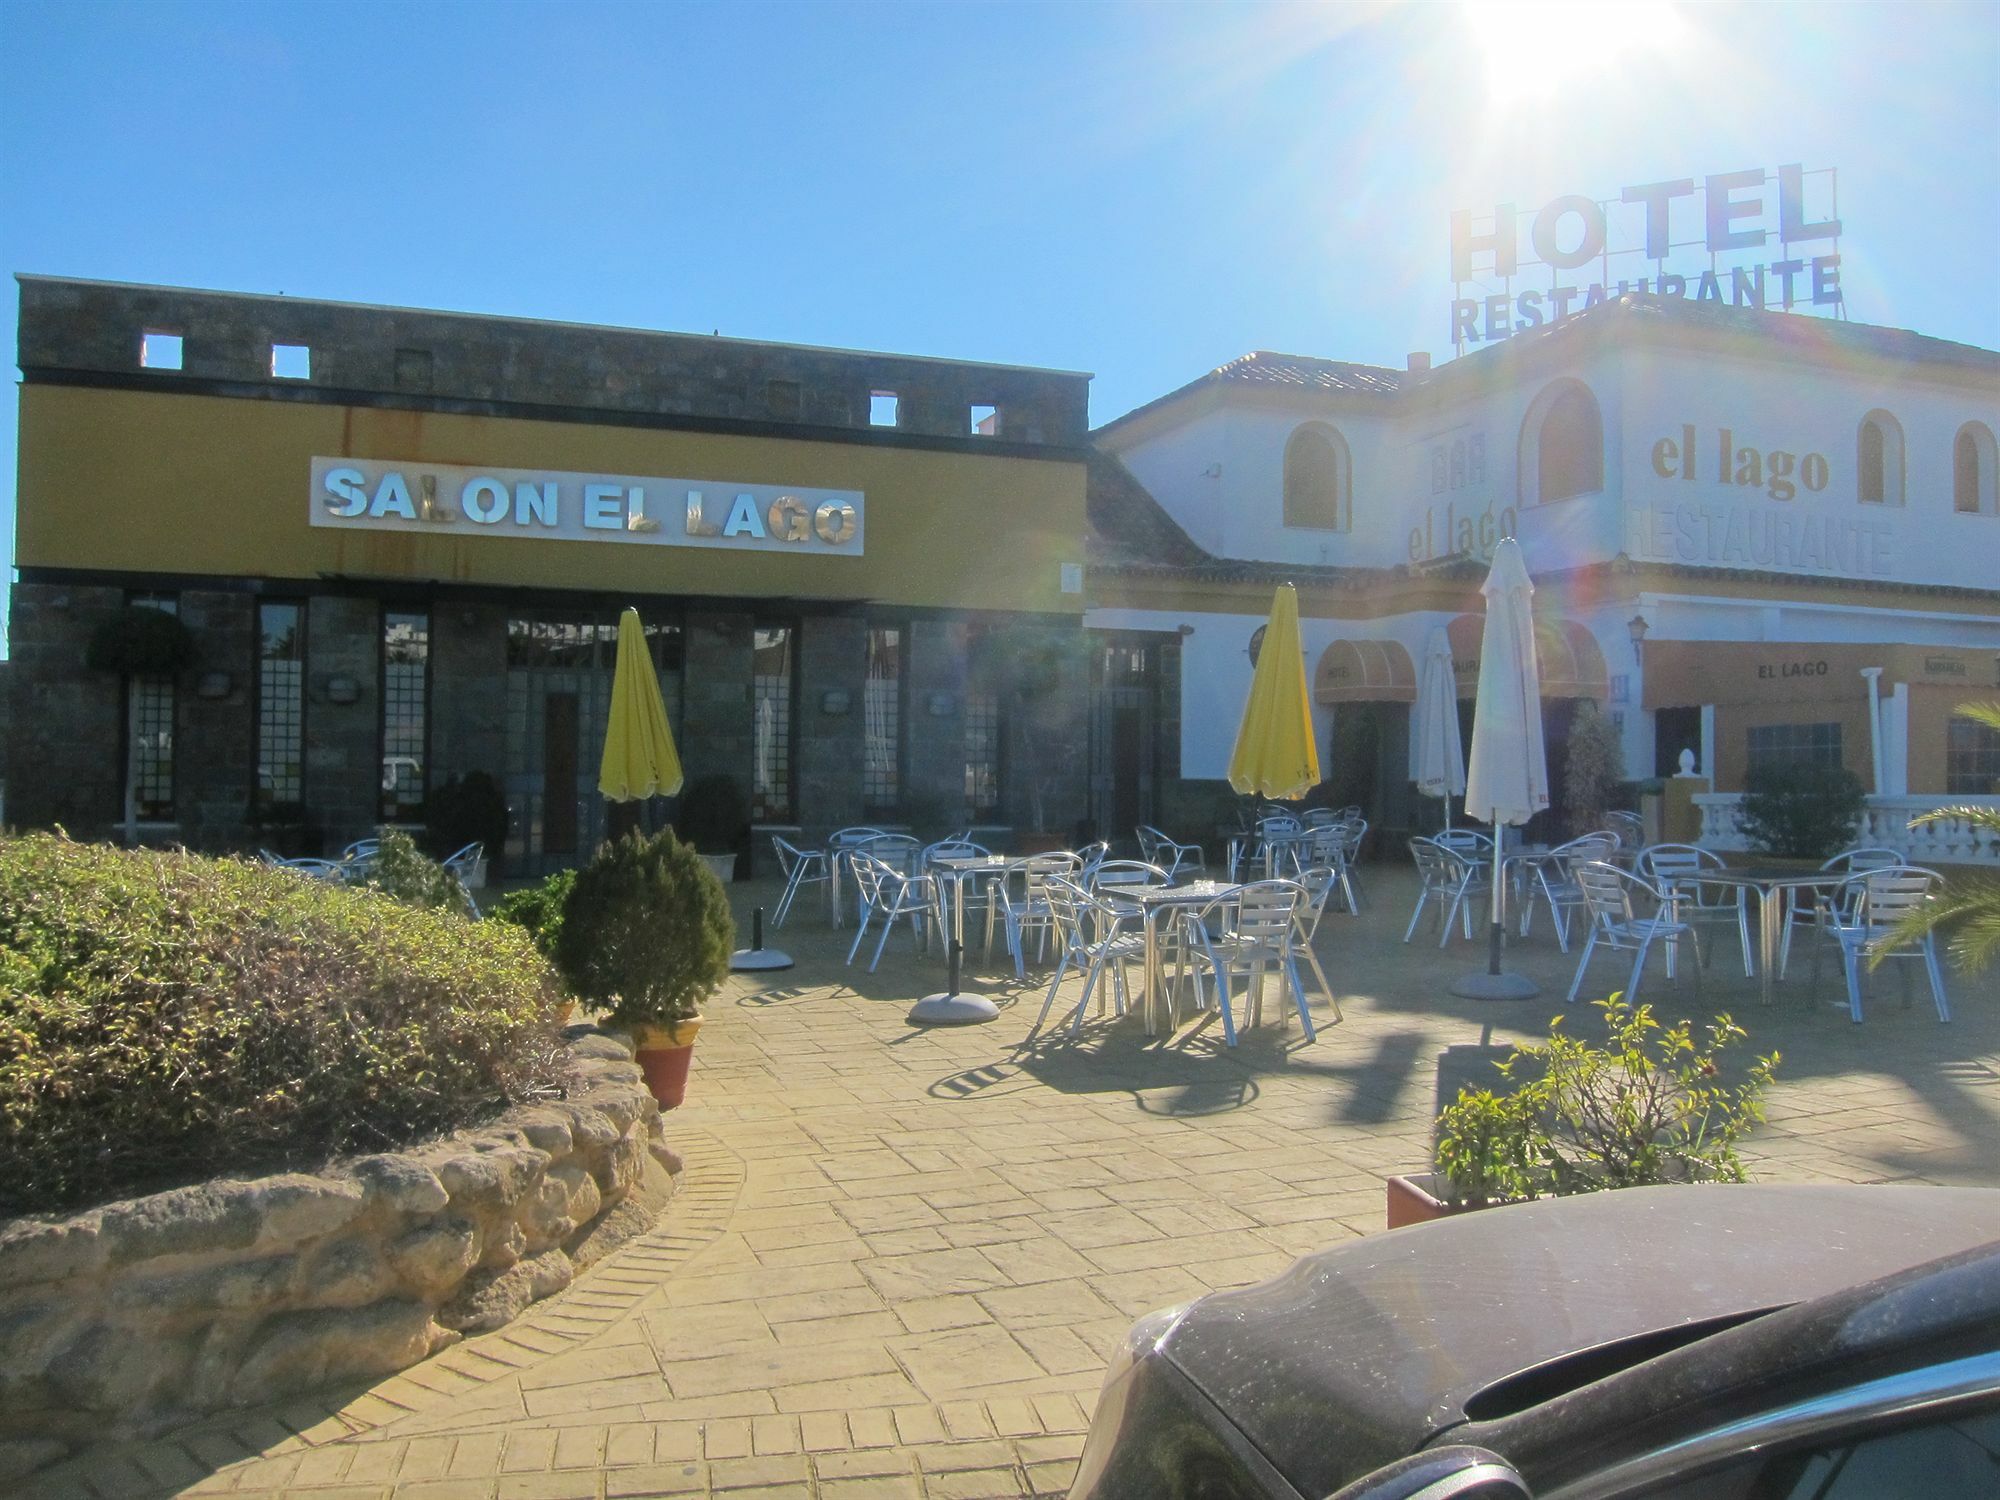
751 960
1484 986
953 1010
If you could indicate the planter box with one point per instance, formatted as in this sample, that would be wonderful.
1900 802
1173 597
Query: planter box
1414 1200
724 866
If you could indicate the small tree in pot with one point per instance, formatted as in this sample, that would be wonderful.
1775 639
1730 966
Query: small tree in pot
646 934
1800 811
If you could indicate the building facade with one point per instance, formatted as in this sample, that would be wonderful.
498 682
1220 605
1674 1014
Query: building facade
1754 537
398 543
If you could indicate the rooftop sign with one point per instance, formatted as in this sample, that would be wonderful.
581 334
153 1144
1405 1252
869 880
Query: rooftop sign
358 494
1749 239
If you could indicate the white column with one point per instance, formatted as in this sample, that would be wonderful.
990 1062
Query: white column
1707 767
1873 677
1895 714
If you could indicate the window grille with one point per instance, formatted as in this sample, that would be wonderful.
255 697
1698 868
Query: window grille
771 725
1773 745
982 755
406 654
1971 759
281 705
882 721
150 707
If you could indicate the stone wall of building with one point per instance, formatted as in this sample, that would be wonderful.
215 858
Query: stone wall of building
466 362
59 705
230 1293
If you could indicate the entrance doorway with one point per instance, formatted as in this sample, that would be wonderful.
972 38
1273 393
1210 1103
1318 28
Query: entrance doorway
1124 737
1368 766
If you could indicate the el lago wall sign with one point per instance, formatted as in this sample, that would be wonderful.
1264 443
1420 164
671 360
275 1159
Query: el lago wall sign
357 494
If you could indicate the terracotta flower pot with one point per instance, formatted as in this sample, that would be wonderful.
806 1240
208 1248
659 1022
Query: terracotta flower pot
664 1053
564 1010
1414 1200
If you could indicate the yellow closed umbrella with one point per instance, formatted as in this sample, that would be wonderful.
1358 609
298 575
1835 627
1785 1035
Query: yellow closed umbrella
639 756
1275 756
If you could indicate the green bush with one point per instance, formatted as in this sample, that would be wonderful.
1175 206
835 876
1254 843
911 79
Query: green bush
466 810
1646 1108
1593 769
404 873
1800 812
165 1017
647 932
538 910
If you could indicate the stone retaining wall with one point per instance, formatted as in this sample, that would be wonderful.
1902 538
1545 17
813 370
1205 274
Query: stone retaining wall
231 1293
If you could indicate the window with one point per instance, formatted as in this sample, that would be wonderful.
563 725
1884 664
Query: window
1878 463
291 362
985 420
159 350
882 718
406 656
1568 445
149 710
1974 471
1971 758
1772 745
1953 1454
1317 479
281 707
771 724
982 755
884 409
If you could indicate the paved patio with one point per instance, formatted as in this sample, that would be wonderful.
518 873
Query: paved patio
899 1258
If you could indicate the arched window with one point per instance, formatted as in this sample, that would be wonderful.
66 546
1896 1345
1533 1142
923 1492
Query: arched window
1318 480
1878 460
1973 471
1562 445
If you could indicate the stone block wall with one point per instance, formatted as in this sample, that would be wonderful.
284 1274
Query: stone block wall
343 740
231 1293
59 704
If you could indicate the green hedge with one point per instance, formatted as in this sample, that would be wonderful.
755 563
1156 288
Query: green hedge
165 1018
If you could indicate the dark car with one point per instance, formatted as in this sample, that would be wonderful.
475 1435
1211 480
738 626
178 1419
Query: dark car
1725 1341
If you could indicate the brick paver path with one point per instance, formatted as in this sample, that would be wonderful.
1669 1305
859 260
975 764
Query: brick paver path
899 1258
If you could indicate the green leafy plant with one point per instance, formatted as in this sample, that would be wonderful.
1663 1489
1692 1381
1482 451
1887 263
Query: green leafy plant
140 641
166 1017
1593 768
1036 671
403 872
713 815
1800 811
1969 908
538 910
646 932
1648 1107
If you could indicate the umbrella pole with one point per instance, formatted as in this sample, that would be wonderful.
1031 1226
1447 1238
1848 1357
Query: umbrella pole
1495 983
1499 904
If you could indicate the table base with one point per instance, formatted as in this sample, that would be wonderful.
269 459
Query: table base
959 1009
1503 986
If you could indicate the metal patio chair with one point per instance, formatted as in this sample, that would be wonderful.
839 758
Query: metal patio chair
1809 909
1448 878
1554 880
1618 922
1156 848
801 868
1862 915
1093 935
1676 869
1248 931
889 893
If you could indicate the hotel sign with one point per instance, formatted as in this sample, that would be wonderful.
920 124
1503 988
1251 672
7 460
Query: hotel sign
1721 232
355 494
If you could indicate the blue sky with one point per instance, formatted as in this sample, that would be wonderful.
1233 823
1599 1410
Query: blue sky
1139 190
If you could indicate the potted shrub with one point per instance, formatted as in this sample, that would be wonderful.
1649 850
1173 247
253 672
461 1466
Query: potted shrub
1646 1108
467 810
1799 812
403 872
140 641
646 934
1032 668
714 817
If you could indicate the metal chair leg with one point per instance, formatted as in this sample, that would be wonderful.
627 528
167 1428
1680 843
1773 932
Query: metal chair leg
1582 964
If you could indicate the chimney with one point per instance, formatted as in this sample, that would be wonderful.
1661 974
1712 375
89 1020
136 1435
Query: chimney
1418 363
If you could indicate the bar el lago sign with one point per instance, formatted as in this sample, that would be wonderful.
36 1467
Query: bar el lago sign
357 494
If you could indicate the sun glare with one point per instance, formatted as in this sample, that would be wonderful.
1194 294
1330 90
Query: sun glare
1533 50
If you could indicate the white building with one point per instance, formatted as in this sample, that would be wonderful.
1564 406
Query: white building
1733 519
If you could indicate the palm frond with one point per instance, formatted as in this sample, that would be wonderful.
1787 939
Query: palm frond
1980 713
1969 913
1977 817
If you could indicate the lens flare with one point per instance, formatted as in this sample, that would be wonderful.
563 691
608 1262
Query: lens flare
1532 51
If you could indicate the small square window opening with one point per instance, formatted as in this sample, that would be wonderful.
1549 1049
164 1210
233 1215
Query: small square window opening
159 351
291 362
882 409
985 421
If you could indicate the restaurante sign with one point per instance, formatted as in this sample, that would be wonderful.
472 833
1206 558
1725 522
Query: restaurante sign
410 496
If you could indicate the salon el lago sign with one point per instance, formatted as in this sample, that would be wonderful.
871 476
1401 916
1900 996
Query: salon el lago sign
405 495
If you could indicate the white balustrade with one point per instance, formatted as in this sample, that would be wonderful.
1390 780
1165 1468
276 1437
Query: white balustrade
1885 823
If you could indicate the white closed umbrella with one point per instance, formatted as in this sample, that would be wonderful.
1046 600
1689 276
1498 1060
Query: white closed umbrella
1508 780
1437 754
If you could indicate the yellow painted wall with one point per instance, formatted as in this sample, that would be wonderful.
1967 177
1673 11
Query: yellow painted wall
166 483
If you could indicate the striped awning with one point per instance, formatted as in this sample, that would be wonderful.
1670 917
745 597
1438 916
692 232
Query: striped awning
1571 662
1365 672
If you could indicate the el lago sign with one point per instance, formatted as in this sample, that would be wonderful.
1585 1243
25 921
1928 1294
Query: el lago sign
356 494
1569 232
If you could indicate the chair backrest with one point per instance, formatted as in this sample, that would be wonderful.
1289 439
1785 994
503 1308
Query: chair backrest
1890 893
466 858
900 851
1150 839
1607 891
1663 861
1438 865
1267 910
1464 841
1317 881
869 873
849 838
789 854
1865 859
1321 817
1069 906
1092 856
1278 827
1117 872
1629 826
953 849
362 849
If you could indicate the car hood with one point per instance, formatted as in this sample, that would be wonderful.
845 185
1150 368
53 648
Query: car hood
1361 1354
